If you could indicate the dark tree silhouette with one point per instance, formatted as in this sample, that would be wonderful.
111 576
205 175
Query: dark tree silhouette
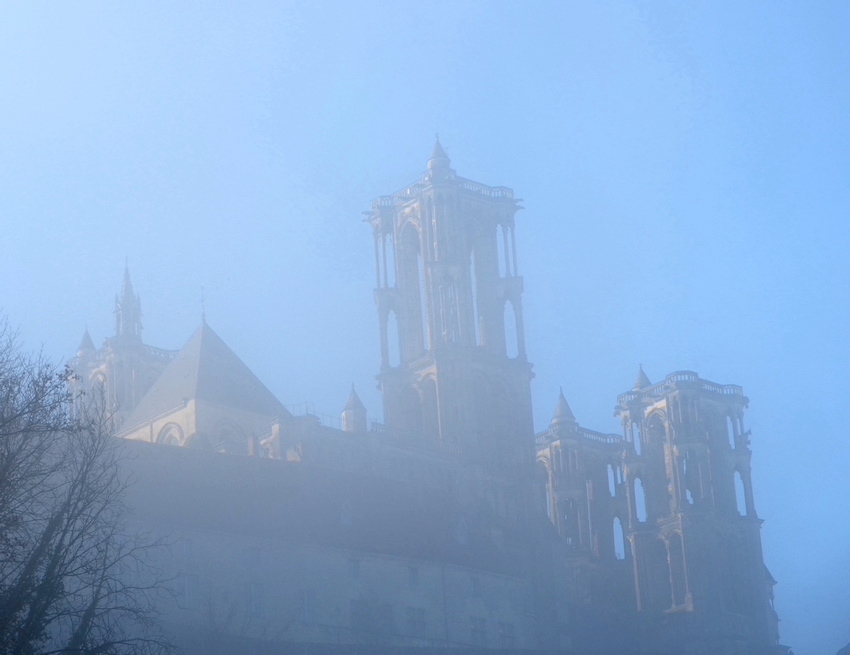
73 579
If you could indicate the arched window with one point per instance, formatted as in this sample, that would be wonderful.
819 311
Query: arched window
730 431
170 435
612 481
619 539
412 286
640 501
740 494
655 432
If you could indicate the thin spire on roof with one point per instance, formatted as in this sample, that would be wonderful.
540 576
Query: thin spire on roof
563 413
86 343
354 401
439 158
642 380
128 309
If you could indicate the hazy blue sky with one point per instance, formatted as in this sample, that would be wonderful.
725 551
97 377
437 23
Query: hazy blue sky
684 168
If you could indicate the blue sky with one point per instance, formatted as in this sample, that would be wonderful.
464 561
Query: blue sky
684 168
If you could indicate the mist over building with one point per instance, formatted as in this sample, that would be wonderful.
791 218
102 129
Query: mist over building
454 523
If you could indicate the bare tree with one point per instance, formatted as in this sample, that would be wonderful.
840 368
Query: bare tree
73 579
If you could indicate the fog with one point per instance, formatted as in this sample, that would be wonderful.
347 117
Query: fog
683 171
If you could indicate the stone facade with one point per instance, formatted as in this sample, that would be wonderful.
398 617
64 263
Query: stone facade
452 524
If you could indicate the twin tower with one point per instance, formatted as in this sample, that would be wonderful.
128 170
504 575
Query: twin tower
454 371
659 540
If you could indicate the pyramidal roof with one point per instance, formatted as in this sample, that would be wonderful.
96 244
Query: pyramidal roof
439 158
642 380
354 401
86 343
563 413
206 369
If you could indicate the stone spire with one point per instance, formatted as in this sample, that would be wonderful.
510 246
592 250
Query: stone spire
354 414
563 414
642 380
128 311
439 160
86 346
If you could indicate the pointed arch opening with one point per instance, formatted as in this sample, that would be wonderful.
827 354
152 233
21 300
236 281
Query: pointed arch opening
640 501
619 539
170 435
411 285
656 434
730 432
612 481
740 494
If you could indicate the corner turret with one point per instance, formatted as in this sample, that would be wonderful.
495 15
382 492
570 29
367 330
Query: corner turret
86 346
642 380
354 414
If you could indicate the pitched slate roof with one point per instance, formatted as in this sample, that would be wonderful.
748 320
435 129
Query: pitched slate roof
206 369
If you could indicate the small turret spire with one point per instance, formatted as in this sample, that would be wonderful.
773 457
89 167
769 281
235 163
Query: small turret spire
642 380
563 414
354 414
86 344
439 158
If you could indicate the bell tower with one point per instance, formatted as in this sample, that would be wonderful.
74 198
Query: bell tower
692 526
454 372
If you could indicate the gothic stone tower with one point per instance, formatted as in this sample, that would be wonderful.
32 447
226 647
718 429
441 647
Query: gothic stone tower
124 369
454 373
692 526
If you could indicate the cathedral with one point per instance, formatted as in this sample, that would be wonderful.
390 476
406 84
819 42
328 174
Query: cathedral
454 524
